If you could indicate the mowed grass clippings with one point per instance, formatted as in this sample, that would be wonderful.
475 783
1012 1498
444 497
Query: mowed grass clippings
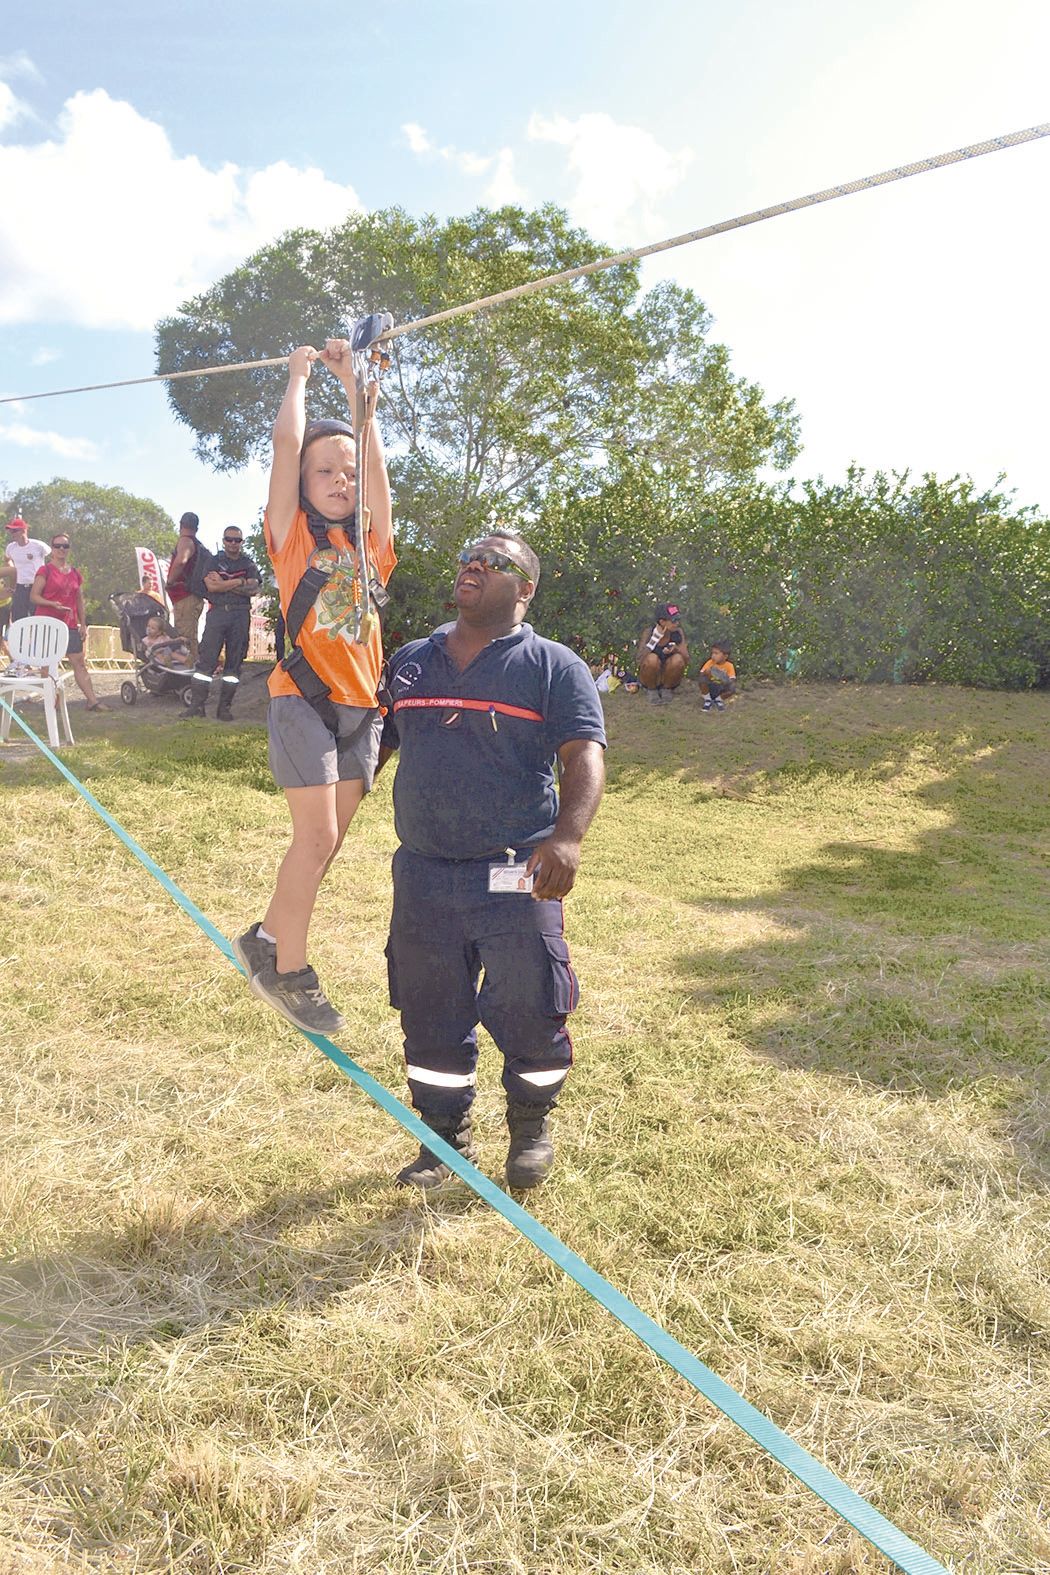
807 1131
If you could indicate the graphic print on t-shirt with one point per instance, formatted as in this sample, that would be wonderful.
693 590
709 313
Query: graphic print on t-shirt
337 600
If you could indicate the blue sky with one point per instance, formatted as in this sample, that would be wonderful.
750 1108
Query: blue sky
146 150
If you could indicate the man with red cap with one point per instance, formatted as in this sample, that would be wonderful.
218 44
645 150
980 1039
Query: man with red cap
26 556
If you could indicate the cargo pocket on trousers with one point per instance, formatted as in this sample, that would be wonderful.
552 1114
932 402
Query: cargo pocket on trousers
563 986
391 976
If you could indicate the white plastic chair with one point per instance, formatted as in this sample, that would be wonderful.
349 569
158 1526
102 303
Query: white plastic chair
38 643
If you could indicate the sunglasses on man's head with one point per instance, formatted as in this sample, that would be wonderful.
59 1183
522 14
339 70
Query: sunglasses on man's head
493 560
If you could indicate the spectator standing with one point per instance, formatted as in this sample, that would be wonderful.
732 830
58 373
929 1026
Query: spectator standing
663 655
58 592
231 582
8 580
480 711
26 555
717 678
186 607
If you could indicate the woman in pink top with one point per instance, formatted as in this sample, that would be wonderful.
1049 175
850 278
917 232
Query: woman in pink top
58 592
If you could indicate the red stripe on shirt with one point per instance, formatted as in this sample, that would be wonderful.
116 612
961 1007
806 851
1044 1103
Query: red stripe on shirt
449 702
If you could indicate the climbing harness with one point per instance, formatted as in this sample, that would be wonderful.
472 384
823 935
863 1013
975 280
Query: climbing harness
973 150
369 362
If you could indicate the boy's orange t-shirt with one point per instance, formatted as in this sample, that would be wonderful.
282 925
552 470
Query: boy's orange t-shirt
727 667
351 671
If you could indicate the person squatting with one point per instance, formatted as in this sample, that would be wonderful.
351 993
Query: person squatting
663 655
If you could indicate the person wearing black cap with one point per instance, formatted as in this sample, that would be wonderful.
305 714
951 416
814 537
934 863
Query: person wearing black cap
323 719
663 655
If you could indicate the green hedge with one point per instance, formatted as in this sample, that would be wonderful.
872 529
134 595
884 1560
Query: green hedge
876 579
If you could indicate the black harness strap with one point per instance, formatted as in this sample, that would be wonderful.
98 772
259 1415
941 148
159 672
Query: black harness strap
306 679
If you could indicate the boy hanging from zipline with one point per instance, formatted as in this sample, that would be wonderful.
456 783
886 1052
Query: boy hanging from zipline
323 720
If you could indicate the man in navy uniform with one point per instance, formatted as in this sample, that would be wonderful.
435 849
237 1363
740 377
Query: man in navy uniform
480 711
230 583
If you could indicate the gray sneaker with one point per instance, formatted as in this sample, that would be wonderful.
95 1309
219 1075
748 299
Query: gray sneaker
252 952
298 997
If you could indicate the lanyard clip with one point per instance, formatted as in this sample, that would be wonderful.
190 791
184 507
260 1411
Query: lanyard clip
511 854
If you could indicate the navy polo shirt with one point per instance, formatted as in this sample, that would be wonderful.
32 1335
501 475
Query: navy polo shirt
476 773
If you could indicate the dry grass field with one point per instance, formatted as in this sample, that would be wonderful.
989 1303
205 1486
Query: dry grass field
809 1132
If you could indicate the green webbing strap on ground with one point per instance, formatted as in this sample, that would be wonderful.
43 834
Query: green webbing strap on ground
879 1531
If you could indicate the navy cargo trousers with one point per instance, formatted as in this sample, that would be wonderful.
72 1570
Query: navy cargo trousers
458 955
228 627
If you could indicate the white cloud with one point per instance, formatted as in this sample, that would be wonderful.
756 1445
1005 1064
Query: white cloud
44 356
502 188
18 65
23 436
108 227
621 172
416 137
11 108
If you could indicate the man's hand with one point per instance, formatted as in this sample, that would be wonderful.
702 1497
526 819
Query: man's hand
555 864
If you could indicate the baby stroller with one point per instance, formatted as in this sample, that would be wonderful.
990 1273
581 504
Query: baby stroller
135 609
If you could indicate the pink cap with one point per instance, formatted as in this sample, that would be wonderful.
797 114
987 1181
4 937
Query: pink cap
18 523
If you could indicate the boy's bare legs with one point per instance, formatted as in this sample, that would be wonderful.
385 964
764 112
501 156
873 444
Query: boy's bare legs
320 817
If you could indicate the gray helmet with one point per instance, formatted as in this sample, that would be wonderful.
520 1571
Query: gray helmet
325 428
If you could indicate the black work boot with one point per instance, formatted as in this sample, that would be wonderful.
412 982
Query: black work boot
531 1153
198 700
428 1170
224 713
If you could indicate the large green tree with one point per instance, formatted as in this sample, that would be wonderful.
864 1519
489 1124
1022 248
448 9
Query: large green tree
486 416
105 525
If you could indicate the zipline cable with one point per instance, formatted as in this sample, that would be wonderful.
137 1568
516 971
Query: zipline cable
902 172
889 1539
973 150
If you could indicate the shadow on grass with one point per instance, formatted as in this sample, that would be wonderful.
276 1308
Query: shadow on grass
160 757
182 1267
922 970
779 735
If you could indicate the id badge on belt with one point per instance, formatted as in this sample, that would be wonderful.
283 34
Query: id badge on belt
510 875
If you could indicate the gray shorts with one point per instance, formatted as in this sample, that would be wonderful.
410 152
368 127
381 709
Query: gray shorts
303 753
